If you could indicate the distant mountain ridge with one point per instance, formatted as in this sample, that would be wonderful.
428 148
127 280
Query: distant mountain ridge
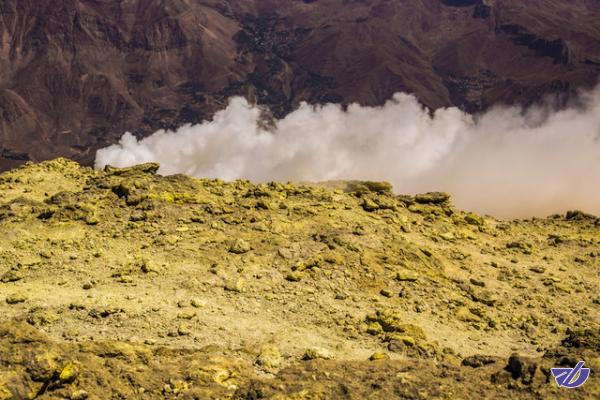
75 75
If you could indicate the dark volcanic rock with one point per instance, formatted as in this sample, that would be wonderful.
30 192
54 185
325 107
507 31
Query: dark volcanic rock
75 75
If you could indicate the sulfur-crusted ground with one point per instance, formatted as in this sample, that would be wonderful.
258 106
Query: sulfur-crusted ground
123 284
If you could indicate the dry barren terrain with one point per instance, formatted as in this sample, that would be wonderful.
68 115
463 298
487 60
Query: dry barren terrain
122 284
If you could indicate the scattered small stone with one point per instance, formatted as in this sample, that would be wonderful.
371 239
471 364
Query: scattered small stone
406 340
427 252
560 287
197 303
125 279
186 315
317 352
432 198
284 253
478 361
79 395
369 205
406 276
237 286
400 343
474 219
525 248
294 276
579 260
448 236
369 186
374 328
76 306
464 314
485 297
239 246
183 330
104 312
577 215
16 298
263 205
537 269
198 219
45 254
148 266
183 303
269 358
11 276
41 317
92 220
522 368
477 282
69 373
379 355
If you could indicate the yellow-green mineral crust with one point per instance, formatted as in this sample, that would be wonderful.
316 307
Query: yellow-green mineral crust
126 284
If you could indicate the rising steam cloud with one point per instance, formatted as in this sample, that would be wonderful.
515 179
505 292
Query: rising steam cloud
507 162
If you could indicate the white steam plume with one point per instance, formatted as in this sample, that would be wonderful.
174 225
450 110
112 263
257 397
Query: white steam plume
507 162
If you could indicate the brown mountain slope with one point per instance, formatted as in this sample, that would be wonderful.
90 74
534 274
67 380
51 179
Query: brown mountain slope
75 75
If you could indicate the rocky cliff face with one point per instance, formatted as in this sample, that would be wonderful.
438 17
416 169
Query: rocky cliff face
75 75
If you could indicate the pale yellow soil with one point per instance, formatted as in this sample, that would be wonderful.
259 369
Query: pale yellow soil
173 262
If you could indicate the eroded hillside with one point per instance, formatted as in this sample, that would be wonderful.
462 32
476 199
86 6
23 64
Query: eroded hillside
76 75
126 284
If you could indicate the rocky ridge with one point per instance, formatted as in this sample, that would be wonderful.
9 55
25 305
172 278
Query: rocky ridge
123 283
